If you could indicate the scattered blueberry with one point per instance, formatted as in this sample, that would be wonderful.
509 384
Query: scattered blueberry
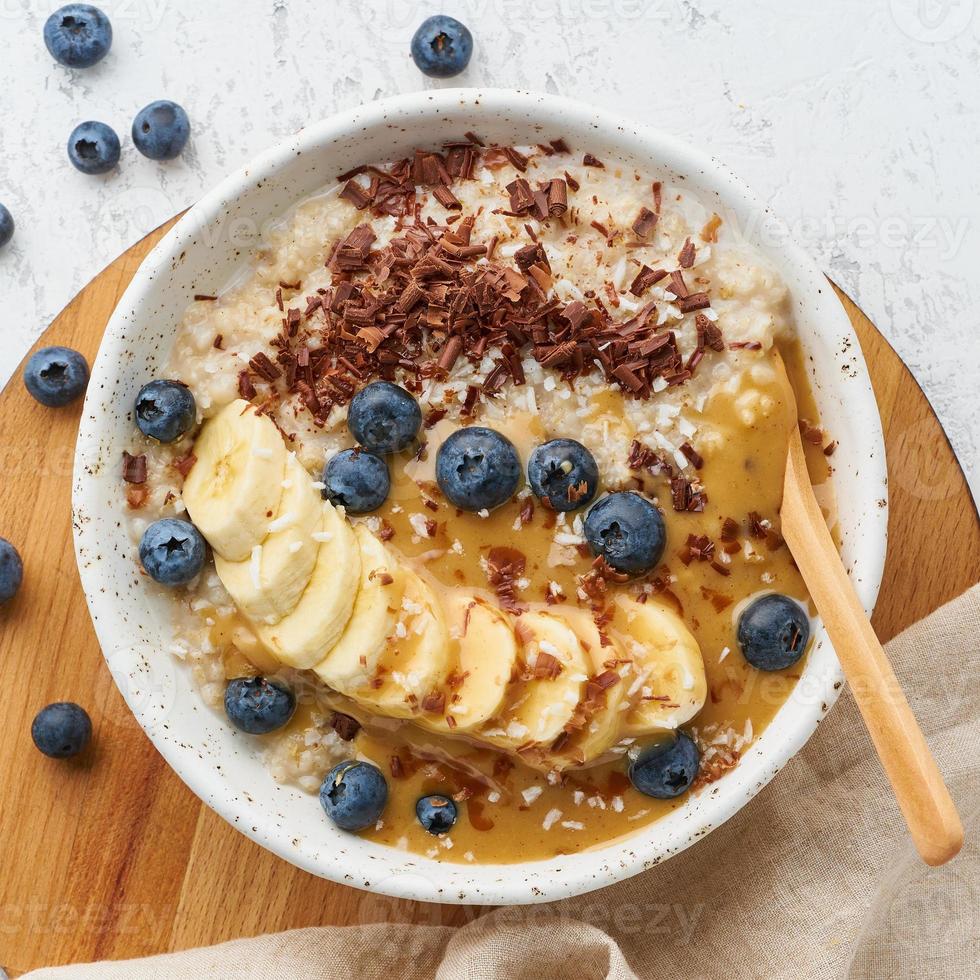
436 813
6 226
478 468
357 480
61 730
56 376
11 571
564 473
354 795
257 705
667 768
773 632
384 417
172 551
628 531
160 130
93 148
78 35
442 47
165 410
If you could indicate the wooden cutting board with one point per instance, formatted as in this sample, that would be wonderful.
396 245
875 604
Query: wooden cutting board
112 856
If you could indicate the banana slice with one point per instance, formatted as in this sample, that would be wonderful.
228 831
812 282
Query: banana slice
416 660
486 651
267 586
545 700
353 660
605 693
668 665
234 489
324 609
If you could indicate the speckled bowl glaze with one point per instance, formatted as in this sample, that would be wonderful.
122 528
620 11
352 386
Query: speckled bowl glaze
222 766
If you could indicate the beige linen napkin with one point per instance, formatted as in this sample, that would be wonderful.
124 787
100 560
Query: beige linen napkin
816 877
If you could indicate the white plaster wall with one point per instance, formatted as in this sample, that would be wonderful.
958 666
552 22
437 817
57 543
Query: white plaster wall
858 119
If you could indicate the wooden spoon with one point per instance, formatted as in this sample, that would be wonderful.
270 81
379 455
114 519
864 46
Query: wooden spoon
916 781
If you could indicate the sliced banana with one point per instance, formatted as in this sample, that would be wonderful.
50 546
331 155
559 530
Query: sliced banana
353 660
324 610
234 489
602 708
485 655
542 703
268 585
670 686
417 657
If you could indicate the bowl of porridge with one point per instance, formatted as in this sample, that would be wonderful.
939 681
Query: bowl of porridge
427 496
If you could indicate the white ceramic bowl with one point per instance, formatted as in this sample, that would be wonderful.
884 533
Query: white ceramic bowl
219 764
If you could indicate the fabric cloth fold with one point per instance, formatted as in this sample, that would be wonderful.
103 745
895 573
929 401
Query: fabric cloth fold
815 877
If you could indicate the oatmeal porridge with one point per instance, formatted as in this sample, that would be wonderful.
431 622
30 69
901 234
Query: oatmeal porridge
487 447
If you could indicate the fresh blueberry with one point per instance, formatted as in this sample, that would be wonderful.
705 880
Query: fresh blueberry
172 551
628 531
357 480
667 768
160 130
78 35
6 226
165 410
384 417
354 795
773 632
442 47
93 147
56 376
478 468
61 730
11 571
564 473
436 813
257 705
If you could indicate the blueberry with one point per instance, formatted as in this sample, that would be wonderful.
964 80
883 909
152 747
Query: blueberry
436 813
354 795
564 473
61 730
384 417
56 376
442 47
6 226
357 480
160 130
78 35
257 705
478 468
172 551
165 410
773 632
667 768
93 147
11 571
628 531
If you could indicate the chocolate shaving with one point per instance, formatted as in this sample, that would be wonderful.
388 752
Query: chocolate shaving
134 468
687 255
345 726
591 161
646 278
644 223
504 567
694 457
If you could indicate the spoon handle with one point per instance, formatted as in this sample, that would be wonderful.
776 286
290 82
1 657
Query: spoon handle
918 785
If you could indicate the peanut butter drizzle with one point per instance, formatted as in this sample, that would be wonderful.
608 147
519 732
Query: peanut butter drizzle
743 460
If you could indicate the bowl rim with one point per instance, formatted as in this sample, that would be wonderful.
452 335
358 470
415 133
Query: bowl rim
416 877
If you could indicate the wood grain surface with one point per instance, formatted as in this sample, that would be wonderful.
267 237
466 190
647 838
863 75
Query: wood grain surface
111 856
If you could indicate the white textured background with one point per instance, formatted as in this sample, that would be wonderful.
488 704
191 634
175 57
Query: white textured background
859 120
